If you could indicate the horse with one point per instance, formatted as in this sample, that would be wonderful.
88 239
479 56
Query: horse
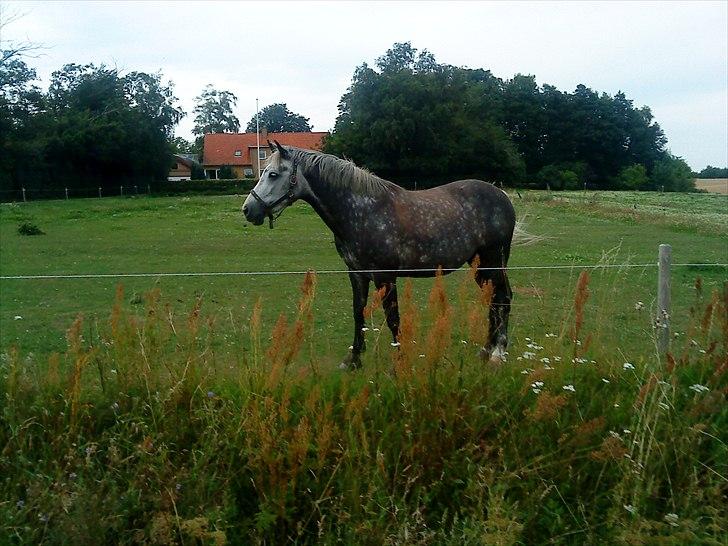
383 231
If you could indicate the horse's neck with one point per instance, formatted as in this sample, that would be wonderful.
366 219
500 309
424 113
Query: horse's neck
338 207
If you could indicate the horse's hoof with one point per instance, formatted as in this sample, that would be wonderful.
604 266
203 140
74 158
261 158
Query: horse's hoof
351 362
498 356
495 355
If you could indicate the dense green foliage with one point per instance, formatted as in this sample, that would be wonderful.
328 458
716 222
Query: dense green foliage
412 118
277 118
713 172
92 128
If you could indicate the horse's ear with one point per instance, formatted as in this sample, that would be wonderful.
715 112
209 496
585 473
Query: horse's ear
284 153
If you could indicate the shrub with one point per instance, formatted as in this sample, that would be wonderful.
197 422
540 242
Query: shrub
559 177
29 228
633 177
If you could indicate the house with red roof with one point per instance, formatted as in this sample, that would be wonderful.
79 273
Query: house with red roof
240 150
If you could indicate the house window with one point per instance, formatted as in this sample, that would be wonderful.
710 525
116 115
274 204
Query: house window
238 153
248 171
262 154
211 174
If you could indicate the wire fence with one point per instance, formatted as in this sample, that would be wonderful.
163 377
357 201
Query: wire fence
30 194
400 272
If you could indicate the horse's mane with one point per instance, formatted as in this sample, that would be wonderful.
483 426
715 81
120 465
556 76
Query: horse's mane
341 173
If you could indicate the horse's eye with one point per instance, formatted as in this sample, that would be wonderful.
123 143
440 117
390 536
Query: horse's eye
272 174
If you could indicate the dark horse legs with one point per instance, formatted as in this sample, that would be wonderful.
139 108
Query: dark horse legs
391 308
360 291
500 306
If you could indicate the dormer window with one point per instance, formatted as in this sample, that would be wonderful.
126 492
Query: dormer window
262 154
238 153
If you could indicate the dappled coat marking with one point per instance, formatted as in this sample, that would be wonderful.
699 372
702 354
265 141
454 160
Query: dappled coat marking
380 226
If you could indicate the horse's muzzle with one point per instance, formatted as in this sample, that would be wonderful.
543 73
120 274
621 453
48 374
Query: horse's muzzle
253 212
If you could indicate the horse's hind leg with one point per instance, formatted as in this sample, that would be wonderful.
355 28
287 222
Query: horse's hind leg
391 307
500 307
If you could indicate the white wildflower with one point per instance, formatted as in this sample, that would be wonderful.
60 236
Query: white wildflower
628 366
17 317
605 380
672 518
395 344
569 388
698 388
546 360
365 329
639 306
557 359
529 355
631 509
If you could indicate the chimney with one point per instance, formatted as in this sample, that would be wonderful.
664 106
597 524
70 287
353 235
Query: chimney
264 134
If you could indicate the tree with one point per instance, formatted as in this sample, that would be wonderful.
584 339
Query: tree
633 177
713 172
414 120
277 118
180 145
20 103
672 173
214 112
93 128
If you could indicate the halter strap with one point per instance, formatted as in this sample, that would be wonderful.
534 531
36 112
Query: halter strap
288 196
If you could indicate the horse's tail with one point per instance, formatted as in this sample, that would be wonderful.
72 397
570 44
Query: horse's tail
521 237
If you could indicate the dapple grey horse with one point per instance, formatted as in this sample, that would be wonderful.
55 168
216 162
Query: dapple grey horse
383 231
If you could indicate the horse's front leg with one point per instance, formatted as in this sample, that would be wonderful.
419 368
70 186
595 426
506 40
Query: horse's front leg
360 292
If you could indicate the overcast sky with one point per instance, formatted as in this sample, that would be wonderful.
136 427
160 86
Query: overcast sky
671 56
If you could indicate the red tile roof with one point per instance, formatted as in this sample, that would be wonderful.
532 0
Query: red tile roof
219 148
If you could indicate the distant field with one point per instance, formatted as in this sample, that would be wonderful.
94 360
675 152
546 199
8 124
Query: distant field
713 185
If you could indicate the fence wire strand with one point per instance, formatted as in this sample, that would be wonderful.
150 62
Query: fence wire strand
402 272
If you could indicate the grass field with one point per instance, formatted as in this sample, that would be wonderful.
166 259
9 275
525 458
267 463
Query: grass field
208 234
208 410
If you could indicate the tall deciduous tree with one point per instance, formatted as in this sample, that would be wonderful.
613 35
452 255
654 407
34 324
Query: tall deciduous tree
214 112
95 128
416 121
277 118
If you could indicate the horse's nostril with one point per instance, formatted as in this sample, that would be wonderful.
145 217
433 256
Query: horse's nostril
245 209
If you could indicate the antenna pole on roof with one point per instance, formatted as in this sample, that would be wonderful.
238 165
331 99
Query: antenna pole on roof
257 132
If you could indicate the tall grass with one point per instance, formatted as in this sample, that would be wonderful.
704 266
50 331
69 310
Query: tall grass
150 430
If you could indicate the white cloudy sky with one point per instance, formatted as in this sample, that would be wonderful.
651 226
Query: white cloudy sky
671 56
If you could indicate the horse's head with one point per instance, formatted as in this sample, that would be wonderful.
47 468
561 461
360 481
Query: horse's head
280 184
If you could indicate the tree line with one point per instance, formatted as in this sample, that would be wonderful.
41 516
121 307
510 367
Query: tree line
96 128
413 119
408 118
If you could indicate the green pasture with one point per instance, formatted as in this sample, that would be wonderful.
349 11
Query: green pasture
159 424
209 234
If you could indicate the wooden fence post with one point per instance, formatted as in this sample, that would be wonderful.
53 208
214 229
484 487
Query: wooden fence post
662 321
121 191
24 195
99 192
66 194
